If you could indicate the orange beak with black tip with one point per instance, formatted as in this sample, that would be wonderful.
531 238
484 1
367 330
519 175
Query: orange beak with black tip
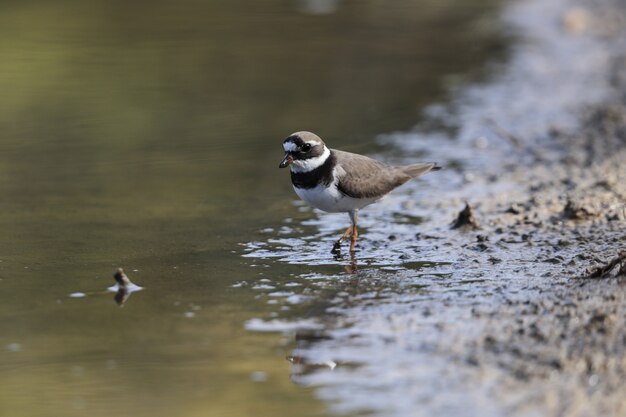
288 160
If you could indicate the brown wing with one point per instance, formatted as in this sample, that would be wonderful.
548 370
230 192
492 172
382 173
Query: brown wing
363 177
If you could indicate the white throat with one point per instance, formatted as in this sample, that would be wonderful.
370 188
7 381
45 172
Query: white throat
308 165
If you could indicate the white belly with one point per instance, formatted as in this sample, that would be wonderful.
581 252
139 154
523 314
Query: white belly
330 199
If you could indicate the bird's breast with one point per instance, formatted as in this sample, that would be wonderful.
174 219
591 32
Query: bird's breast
330 199
323 197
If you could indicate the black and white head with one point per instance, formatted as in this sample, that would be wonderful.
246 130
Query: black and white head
304 152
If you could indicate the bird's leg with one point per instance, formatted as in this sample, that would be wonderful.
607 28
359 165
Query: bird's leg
353 238
355 232
352 268
337 245
350 231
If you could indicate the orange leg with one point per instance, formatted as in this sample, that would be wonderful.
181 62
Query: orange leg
355 233
353 237
350 231
337 245
347 233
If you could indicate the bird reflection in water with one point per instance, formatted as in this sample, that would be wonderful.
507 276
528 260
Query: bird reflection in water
301 365
351 267
124 287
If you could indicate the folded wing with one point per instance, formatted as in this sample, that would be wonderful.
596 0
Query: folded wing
363 177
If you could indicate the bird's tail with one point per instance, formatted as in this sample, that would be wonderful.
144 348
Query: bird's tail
420 169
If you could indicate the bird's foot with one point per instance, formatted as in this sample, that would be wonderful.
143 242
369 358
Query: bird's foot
336 250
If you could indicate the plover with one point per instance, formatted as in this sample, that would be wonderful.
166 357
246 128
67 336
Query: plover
338 181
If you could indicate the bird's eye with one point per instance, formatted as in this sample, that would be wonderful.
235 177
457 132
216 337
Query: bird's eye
306 147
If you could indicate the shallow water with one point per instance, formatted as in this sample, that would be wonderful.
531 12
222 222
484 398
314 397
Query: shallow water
149 138
408 328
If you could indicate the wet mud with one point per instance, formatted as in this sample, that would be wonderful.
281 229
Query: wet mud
496 286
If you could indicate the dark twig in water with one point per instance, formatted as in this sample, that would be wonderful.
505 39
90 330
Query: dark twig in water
124 287
466 218
121 296
121 278
618 264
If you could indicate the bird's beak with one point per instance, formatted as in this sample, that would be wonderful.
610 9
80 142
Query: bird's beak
286 161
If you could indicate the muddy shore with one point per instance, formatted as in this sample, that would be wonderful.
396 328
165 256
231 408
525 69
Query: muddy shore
498 317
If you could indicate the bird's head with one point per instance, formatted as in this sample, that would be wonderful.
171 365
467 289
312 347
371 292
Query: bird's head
304 151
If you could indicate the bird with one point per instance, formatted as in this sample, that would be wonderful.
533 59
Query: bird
342 182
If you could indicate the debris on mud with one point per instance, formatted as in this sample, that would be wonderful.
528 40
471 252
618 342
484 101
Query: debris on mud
577 211
615 267
466 219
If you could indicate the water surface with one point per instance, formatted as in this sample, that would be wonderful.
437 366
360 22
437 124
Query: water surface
147 136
